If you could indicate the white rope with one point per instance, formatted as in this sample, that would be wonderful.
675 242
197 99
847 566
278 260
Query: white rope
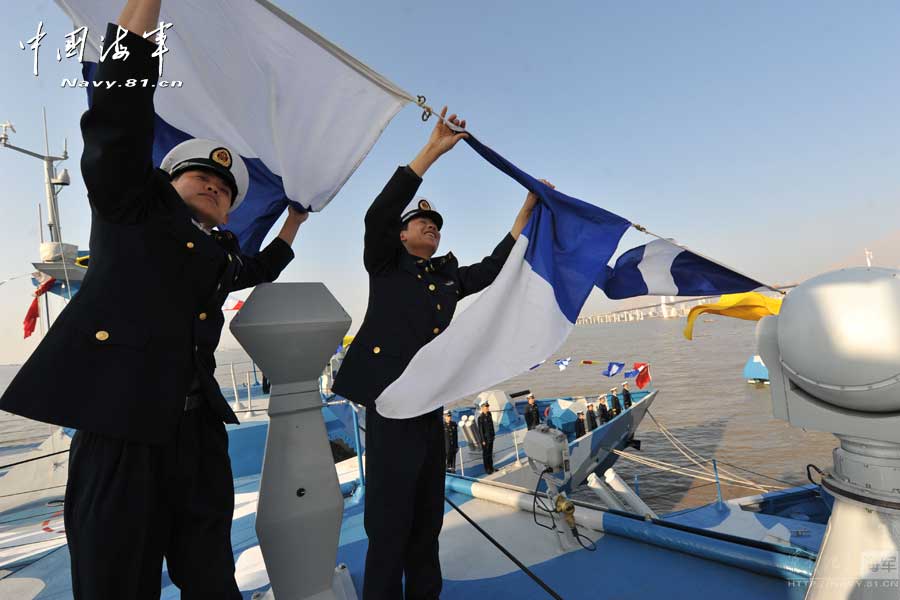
646 231
664 466
65 272
700 470
693 473
686 452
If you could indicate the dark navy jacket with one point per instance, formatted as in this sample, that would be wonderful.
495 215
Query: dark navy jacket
580 427
486 427
591 418
615 405
121 357
411 300
603 414
451 437
532 415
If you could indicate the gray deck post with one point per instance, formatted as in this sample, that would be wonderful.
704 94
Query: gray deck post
290 330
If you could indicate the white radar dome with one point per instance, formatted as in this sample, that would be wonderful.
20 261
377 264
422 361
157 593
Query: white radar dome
839 338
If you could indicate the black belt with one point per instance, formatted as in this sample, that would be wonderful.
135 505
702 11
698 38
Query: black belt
192 401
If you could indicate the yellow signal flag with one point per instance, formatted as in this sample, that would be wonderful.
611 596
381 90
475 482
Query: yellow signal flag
750 306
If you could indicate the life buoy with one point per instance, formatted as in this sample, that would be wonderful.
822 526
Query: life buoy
546 412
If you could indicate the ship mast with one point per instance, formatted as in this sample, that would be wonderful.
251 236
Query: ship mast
51 181
52 185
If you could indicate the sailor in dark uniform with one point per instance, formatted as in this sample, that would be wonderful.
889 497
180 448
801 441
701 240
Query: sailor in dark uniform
591 418
603 411
412 298
149 474
486 429
580 429
532 414
451 441
626 396
615 407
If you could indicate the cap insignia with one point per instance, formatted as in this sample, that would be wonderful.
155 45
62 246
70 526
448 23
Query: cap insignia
221 156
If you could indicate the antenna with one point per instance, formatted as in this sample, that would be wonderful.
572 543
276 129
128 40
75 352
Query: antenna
46 137
4 137
51 180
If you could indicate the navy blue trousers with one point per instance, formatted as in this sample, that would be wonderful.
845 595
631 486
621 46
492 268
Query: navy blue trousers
130 504
404 503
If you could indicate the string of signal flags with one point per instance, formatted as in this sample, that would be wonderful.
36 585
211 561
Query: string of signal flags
640 371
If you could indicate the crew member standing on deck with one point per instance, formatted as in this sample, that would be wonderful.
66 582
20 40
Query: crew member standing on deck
626 396
149 474
412 298
603 413
451 441
615 407
580 428
486 429
532 414
591 418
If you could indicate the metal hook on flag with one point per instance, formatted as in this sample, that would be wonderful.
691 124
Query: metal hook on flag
427 110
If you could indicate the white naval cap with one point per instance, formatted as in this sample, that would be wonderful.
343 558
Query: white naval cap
210 156
420 207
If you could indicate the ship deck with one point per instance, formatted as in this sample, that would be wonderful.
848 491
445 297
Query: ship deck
620 568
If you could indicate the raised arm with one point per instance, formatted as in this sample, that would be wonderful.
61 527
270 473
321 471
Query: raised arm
478 276
531 200
382 237
140 16
265 267
118 128
268 264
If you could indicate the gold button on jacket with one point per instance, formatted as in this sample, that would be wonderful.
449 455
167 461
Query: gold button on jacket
431 287
143 363
202 316
376 349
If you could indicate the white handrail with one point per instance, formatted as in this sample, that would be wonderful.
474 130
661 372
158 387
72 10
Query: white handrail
237 401
249 394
